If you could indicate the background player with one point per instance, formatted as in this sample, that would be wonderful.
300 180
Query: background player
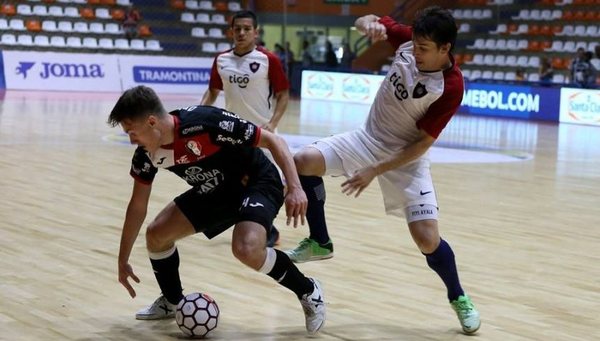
417 98
250 76
233 183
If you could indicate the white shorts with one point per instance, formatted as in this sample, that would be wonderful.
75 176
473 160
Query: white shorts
402 187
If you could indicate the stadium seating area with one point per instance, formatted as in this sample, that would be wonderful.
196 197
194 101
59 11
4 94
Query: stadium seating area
171 27
496 37
520 34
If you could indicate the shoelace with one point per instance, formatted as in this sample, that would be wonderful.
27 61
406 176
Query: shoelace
464 306
304 243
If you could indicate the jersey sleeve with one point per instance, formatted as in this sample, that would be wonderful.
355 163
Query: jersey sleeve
441 111
228 129
142 169
215 78
397 33
277 77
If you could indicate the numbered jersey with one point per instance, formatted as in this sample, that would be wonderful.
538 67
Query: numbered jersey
213 150
409 100
249 82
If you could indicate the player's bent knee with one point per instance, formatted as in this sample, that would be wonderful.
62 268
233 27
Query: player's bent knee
309 161
425 233
155 241
247 249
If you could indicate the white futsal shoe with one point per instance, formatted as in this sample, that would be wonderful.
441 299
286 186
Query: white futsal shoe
160 309
314 308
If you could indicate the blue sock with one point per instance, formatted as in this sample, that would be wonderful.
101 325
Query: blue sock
442 262
314 188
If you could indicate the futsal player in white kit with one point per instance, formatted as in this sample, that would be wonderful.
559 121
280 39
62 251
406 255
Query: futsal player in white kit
419 95
252 79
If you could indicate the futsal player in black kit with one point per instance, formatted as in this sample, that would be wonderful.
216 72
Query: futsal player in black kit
232 184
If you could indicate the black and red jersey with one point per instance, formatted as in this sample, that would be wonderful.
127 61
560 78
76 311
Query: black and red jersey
213 149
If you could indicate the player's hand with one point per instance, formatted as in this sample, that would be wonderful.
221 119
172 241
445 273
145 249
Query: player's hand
376 31
269 126
295 205
125 271
359 181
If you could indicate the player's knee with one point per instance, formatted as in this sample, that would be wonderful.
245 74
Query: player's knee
245 249
428 245
154 240
307 161
425 234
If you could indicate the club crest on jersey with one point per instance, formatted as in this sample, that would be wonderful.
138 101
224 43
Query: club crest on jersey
419 90
254 66
194 147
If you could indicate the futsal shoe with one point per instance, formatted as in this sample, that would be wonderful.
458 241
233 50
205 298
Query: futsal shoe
160 309
310 250
467 314
314 308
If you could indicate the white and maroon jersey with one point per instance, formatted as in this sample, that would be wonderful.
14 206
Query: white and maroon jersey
408 99
249 82
213 150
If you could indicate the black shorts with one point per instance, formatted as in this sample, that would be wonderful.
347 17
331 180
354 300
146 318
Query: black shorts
214 213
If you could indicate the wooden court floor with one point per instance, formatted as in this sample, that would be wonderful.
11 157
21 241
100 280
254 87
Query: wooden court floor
518 203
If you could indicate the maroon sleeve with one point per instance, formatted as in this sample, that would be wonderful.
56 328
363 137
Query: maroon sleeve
397 33
441 111
277 78
215 79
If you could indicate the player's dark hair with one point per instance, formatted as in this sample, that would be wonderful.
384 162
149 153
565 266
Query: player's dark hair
138 102
436 24
245 14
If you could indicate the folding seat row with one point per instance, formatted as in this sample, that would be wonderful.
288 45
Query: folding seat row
78 42
505 60
203 18
499 44
570 46
59 11
211 47
537 14
472 14
214 32
81 27
208 5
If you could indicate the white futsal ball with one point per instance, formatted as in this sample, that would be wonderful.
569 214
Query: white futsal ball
197 314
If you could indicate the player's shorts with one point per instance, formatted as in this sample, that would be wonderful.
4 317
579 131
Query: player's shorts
212 214
402 187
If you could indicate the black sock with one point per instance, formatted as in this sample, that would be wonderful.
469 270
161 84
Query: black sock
443 263
166 271
314 188
288 275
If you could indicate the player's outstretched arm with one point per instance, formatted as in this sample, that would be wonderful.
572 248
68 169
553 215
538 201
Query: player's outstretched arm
369 25
363 177
134 218
295 199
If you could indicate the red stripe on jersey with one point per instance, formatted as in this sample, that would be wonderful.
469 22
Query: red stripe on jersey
441 111
257 136
215 79
279 81
139 179
397 33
